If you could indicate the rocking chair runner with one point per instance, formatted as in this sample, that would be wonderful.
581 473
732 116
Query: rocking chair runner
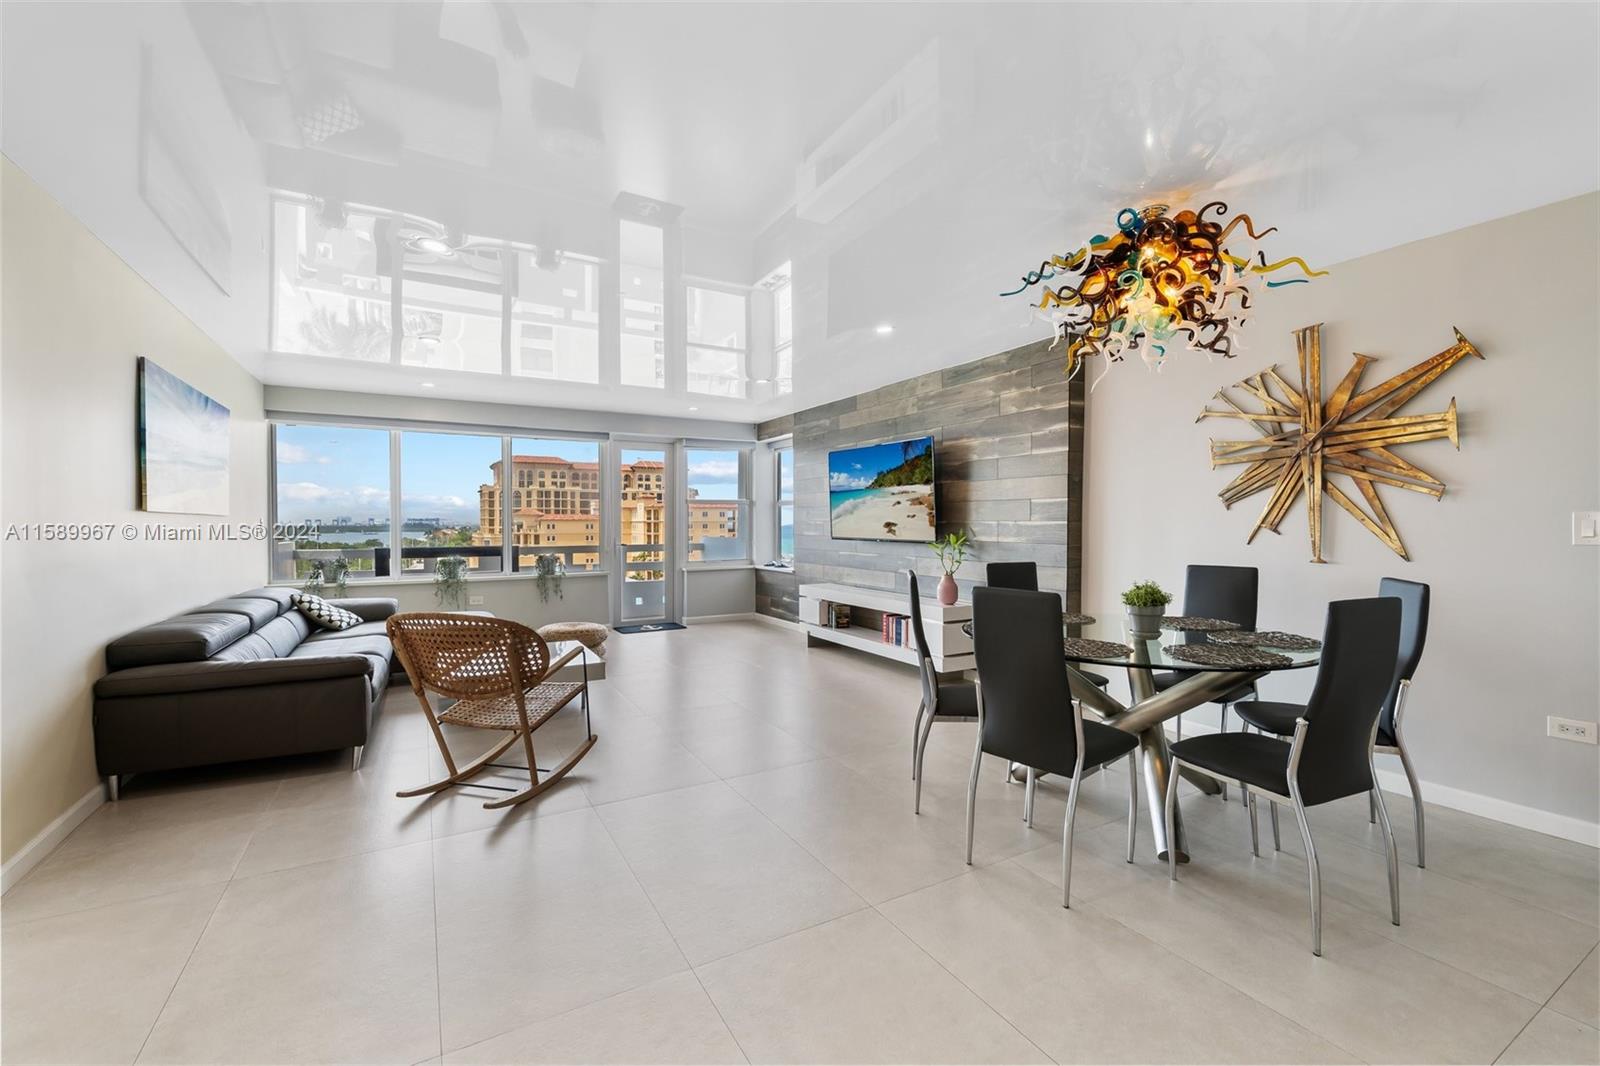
495 672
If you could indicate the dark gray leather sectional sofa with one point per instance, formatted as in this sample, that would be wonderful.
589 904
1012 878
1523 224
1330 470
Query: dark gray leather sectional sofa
246 677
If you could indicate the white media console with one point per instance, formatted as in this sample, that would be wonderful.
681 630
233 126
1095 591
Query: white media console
950 647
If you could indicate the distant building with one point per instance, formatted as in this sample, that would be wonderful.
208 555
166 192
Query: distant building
555 503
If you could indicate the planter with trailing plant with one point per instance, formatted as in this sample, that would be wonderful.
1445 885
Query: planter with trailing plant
548 569
316 574
952 550
449 580
1146 603
337 571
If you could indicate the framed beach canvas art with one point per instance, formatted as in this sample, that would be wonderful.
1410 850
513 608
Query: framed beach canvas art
882 491
183 445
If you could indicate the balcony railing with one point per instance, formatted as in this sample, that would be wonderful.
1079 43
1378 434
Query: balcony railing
294 564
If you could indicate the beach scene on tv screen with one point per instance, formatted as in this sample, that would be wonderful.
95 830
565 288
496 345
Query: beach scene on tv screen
882 491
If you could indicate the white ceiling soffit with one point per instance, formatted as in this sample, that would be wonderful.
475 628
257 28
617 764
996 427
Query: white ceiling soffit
909 162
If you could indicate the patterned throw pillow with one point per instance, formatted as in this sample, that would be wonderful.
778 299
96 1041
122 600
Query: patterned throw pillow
322 613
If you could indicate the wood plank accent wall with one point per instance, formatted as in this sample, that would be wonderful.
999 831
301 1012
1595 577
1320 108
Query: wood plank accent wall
1008 452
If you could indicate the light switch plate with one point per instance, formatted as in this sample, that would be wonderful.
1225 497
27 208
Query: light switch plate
1586 527
474 601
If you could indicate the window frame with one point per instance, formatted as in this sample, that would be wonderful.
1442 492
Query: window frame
745 509
779 499
395 430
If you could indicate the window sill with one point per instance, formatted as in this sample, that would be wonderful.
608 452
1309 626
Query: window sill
777 568
709 567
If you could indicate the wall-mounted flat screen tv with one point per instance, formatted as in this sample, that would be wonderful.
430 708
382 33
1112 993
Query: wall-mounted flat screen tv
882 491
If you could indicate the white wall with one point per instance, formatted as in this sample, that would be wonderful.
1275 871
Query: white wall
73 322
1515 631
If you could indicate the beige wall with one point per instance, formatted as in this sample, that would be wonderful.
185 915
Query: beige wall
1514 634
73 321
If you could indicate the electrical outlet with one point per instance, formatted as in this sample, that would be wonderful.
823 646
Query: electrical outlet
1586 527
474 601
1570 729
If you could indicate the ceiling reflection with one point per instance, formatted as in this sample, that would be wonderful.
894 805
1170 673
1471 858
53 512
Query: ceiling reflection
648 207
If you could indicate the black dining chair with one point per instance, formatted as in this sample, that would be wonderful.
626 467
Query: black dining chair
1025 576
1331 755
942 701
1279 718
1026 713
1225 592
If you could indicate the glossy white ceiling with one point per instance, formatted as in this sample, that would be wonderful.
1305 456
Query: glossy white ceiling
963 143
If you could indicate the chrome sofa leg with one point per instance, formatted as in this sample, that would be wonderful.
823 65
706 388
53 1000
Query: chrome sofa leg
1313 875
355 757
1416 805
114 787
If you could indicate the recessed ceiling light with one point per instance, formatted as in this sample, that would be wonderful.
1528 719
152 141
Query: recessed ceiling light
425 385
884 329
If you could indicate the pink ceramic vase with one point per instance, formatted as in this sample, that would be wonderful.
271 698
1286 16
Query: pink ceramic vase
948 593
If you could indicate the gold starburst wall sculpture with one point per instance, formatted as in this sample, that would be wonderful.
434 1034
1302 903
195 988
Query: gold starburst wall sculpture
1305 441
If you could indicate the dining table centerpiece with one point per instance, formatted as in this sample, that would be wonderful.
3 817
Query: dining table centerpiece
1146 603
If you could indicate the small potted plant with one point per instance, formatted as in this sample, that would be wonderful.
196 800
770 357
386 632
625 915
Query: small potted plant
449 580
338 571
952 550
316 574
549 569
1147 604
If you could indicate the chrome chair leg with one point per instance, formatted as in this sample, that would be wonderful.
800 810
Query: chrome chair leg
113 787
1066 837
355 758
916 762
1372 807
1416 804
916 731
1272 813
1027 797
1133 800
1392 856
1313 874
972 791
1170 808
1255 832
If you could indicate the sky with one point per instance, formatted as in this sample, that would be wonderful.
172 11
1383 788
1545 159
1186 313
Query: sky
327 472
854 468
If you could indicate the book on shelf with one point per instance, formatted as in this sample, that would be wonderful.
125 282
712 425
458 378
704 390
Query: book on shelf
840 618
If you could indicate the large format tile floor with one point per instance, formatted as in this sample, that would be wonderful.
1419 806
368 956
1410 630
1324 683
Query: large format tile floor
735 874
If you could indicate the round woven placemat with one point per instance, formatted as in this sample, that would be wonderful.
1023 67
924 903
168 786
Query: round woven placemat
1096 649
1269 639
1239 657
1194 624
1070 619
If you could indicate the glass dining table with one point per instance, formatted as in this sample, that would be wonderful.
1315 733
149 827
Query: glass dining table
1108 640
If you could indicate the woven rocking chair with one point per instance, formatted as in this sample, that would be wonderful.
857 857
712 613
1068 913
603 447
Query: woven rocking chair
494 670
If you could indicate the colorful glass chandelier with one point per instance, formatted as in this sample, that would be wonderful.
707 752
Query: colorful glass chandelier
1159 278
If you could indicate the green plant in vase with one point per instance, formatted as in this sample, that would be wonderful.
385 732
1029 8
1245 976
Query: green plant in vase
548 570
449 580
952 550
1146 603
338 571
316 574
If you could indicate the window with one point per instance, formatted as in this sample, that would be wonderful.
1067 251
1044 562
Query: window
785 516
643 285
451 309
559 514
717 334
330 293
783 330
443 478
715 506
335 482
555 319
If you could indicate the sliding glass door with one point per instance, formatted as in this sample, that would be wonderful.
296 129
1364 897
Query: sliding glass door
645 563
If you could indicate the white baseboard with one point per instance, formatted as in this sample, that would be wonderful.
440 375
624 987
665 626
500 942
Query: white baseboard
1459 799
773 620
49 838
690 620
